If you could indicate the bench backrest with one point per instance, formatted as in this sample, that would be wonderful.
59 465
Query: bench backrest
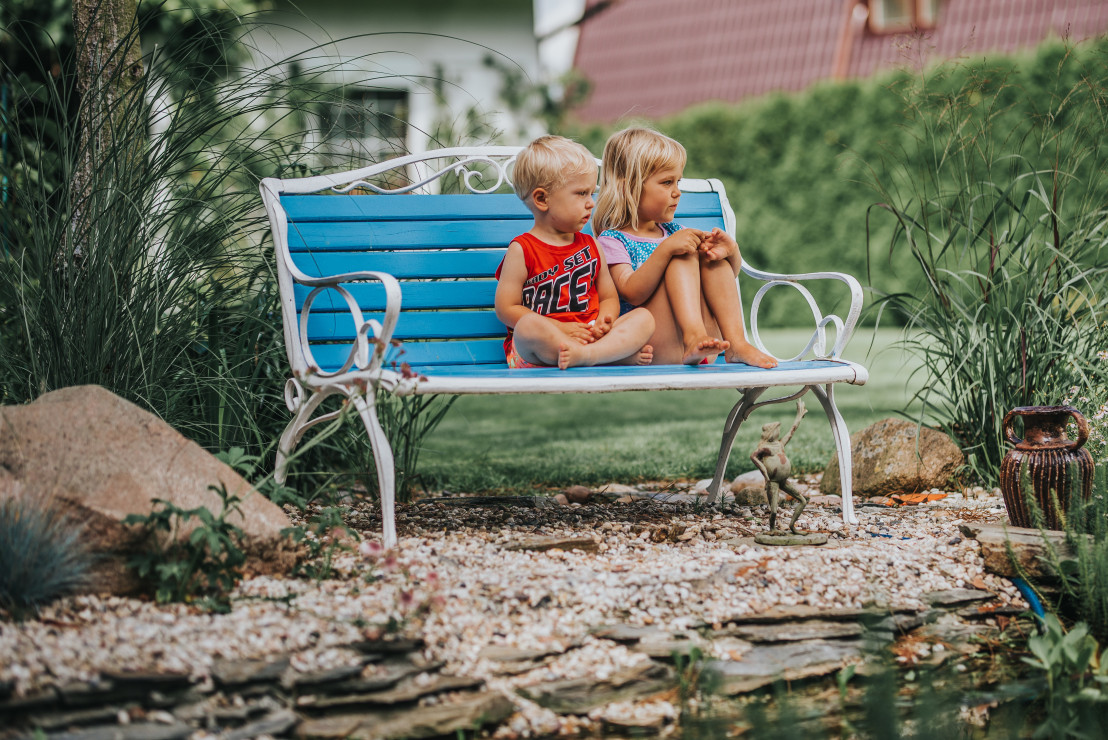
444 248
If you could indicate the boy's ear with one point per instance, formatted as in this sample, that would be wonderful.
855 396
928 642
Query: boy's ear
539 198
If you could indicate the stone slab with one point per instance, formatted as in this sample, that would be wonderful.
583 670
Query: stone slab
763 665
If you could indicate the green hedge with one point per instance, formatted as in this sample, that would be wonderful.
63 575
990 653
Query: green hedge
800 168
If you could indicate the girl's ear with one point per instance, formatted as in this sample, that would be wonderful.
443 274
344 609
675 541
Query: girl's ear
539 198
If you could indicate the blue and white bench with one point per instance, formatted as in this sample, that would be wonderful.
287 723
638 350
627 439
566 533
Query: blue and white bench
379 254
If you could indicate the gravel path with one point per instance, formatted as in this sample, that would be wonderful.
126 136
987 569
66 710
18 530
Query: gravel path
456 582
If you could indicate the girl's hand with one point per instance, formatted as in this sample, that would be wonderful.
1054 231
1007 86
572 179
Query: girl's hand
685 241
718 245
578 332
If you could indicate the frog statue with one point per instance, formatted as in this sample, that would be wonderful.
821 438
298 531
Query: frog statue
770 459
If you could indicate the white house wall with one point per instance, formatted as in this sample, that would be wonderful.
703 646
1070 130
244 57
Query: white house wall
399 45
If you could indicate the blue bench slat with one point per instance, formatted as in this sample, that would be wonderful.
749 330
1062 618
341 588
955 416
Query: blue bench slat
442 207
446 235
411 325
424 354
403 265
432 294
403 207
354 236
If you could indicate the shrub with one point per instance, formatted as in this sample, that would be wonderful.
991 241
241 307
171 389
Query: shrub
1006 221
43 555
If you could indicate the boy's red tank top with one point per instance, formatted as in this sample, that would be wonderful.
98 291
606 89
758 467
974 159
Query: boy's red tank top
561 281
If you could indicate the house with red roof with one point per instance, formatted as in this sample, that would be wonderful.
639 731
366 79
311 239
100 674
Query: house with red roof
650 58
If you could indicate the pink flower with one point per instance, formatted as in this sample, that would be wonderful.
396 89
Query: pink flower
370 550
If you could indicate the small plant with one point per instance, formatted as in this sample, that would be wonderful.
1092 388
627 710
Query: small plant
201 568
326 535
42 553
1075 699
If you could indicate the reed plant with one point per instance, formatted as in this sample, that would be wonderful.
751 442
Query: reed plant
1006 220
155 277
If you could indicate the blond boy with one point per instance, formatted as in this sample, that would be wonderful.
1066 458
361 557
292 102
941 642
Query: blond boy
555 294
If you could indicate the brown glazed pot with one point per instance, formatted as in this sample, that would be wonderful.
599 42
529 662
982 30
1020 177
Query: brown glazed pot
1046 459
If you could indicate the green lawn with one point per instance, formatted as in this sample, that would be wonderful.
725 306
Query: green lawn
515 443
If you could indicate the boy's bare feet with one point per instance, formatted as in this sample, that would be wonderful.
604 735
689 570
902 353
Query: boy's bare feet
702 347
566 356
645 356
749 354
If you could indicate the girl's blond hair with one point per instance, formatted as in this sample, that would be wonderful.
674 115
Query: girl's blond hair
630 157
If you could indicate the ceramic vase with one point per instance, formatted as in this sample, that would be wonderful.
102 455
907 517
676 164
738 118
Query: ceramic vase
1045 463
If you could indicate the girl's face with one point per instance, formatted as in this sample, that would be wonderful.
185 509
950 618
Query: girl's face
658 201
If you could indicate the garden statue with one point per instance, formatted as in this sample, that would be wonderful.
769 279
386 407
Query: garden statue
770 459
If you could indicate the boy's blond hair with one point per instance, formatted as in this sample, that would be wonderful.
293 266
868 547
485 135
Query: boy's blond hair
549 162
630 157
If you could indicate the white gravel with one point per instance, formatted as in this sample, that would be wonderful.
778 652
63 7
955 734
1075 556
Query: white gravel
452 583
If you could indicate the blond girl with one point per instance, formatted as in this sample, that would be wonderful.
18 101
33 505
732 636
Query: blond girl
684 277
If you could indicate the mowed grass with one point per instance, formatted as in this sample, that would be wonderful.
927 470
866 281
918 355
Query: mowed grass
520 443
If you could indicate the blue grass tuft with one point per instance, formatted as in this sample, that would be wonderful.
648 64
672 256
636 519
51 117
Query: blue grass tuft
42 556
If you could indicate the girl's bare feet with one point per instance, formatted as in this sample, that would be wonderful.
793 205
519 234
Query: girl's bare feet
749 354
645 356
702 347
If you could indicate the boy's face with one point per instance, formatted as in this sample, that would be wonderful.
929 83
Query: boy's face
660 194
569 206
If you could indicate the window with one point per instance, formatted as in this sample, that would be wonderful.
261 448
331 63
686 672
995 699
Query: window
897 16
367 121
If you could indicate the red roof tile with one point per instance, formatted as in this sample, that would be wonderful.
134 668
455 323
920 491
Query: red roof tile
652 57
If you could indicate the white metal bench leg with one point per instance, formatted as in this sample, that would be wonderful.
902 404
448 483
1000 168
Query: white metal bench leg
301 422
841 435
738 415
382 457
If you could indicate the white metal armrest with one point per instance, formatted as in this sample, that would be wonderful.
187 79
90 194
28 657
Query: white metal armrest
818 342
360 355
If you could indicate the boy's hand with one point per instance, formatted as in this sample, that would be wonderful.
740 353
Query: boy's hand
685 241
718 245
578 332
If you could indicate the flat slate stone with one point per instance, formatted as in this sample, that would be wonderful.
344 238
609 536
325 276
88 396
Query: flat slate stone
321 678
667 650
625 633
228 673
765 664
398 646
797 631
408 691
582 695
539 544
450 719
802 612
394 672
957 596
790 539
1030 548
137 731
58 719
273 724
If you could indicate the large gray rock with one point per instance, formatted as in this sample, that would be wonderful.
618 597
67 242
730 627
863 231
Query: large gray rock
896 456
98 458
